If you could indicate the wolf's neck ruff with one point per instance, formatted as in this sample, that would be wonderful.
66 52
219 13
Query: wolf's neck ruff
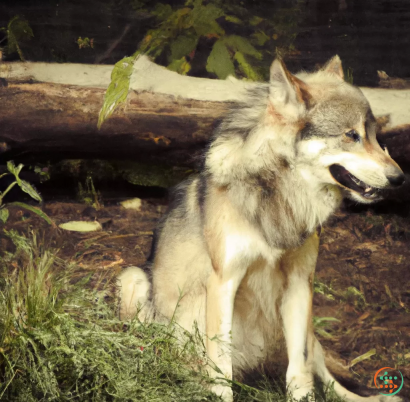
253 156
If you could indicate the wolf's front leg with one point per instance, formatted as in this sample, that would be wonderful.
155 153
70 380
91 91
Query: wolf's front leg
296 311
221 291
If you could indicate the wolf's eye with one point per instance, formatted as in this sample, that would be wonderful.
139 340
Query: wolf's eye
354 135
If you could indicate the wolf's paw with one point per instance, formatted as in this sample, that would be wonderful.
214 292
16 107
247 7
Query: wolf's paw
390 398
374 398
301 388
305 395
224 391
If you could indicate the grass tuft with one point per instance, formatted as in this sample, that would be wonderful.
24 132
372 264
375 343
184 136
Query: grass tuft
61 340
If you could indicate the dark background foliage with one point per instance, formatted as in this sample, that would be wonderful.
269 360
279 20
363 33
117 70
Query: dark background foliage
369 35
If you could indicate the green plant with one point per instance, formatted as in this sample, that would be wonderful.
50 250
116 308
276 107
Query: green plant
84 43
18 30
242 38
321 323
351 295
25 186
118 89
241 35
355 296
323 289
89 194
42 172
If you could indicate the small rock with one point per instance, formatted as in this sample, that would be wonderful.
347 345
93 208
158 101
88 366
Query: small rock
133 203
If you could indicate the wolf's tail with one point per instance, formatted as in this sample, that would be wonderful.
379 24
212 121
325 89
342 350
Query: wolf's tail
328 379
134 289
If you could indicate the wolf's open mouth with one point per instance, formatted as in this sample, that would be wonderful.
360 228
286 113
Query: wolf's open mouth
346 179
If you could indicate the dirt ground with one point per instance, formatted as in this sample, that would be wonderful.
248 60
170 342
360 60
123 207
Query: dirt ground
364 260
363 272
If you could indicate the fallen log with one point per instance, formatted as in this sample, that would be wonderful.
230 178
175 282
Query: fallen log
167 118
55 121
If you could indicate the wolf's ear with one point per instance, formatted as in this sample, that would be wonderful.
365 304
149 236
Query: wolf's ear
334 66
284 87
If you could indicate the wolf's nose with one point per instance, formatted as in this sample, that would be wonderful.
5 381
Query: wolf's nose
396 180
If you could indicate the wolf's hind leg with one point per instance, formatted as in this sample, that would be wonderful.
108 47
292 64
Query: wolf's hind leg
133 289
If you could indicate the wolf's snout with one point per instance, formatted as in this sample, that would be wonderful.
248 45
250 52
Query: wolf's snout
396 179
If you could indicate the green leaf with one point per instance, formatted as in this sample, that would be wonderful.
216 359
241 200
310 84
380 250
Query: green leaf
81 226
37 211
24 185
241 44
204 20
154 42
219 61
20 27
181 66
255 20
30 190
15 170
118 89
320 323
246 68
233 19
323 321
4 214
365 356
182 46
323 333
260 38
162 11
11 167
176 22
18 30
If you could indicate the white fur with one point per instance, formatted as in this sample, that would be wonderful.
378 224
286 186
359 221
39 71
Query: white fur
134 288
363 166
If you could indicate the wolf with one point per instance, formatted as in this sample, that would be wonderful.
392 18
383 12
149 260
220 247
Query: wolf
237 249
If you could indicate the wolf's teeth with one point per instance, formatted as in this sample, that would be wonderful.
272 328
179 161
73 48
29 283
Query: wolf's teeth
356 180
368 189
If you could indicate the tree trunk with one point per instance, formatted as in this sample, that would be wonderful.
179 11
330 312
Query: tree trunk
167 118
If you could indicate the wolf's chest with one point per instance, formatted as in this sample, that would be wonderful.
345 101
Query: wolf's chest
287 223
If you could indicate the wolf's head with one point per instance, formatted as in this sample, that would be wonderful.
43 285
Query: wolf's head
335 131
